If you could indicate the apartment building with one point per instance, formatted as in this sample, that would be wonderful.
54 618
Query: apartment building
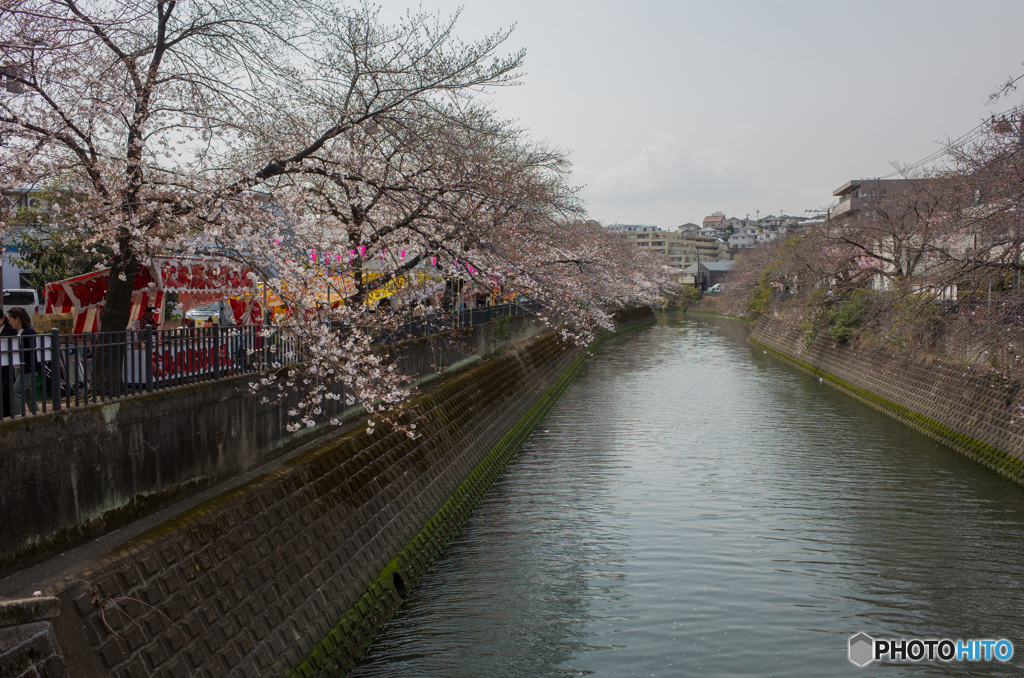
681 249
632 228
862 199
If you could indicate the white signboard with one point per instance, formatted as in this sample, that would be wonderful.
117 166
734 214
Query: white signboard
11 351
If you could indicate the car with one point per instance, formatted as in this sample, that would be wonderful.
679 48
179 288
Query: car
209 312
715 289
26 299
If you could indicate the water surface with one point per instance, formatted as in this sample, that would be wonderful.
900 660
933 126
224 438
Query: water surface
693 506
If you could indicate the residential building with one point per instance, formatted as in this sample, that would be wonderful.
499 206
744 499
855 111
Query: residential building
772 221
22 209
897 211
704 274
742 239
862 198
715 221
632 228
680 248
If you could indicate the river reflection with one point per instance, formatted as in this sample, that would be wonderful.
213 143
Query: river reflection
694 506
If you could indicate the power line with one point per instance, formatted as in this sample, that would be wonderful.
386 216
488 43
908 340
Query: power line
963 139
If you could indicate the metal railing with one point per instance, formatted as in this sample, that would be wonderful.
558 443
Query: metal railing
50 372
408 326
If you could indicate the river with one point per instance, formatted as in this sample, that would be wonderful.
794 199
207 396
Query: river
693 506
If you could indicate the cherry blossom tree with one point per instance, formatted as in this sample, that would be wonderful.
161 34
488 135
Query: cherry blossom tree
167 118
293 136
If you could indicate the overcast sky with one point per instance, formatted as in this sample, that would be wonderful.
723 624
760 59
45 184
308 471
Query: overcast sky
675 109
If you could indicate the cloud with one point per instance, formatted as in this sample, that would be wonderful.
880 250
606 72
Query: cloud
670 169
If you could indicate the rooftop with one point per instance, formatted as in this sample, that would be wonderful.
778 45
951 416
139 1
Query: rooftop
711 266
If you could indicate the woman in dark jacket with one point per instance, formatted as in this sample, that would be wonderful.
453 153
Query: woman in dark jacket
27 375
6 378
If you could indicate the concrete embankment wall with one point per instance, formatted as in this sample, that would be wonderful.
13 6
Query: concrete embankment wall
294 572
971 411
70 475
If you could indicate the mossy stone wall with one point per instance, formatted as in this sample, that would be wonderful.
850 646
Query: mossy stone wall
294 573
975 413
76 474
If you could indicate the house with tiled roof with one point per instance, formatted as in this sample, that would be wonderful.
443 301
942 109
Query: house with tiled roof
715 221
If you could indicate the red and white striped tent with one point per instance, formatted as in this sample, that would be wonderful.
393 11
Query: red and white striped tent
196 281
85 295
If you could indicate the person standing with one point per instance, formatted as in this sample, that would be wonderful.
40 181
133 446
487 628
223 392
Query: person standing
147 318
26 380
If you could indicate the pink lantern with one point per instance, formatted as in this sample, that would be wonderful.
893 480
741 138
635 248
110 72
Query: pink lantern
433 261
401 255
362 251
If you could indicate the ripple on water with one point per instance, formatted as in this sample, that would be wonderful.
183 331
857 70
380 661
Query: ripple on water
694 506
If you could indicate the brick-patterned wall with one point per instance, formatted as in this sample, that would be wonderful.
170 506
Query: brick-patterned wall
76 474
962 406
294 572
28 647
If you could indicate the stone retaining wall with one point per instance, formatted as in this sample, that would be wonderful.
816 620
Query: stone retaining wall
971 410
71 475
28 646
294 573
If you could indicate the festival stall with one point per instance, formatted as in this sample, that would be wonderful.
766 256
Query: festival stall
195 281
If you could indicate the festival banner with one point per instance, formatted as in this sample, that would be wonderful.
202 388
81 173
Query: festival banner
191 276
89 290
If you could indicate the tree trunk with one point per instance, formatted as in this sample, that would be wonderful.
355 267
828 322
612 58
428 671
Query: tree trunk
356 271
114 319
118 307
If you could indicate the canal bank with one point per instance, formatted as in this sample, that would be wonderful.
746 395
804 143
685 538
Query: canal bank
976 413
294 571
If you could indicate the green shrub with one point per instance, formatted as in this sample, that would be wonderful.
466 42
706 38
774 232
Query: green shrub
502 328
841 315
684 296
849 314
762 297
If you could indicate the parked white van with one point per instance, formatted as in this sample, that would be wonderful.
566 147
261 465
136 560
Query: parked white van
26 299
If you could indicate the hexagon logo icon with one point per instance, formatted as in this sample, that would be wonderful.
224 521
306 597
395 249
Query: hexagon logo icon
862 649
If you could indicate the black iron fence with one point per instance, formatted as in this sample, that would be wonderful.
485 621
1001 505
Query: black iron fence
40 373
407 326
